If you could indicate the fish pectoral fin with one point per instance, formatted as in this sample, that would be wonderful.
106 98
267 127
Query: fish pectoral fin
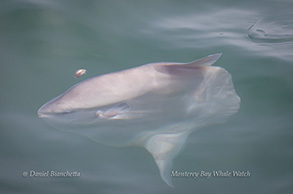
164 148
113 112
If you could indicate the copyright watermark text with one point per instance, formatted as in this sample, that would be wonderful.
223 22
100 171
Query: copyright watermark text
51 174
210 174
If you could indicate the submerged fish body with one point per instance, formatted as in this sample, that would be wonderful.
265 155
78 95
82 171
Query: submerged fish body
155 106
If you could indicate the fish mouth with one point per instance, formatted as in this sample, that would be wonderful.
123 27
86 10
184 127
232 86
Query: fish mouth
42 114
46 114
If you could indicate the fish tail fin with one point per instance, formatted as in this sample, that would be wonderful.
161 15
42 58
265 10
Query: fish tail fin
164 148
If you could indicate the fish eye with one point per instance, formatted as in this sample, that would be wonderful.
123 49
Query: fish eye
98 114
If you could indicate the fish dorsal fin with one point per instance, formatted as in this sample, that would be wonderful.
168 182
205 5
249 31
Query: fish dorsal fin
205 61
179 68
164 148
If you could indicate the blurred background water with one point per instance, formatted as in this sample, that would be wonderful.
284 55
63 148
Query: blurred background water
43 42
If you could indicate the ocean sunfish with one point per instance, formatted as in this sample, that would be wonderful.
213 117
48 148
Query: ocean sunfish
155 106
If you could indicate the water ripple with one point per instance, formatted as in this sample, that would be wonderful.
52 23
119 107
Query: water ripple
267 31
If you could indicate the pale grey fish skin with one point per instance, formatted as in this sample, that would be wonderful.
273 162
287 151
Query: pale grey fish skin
155 106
